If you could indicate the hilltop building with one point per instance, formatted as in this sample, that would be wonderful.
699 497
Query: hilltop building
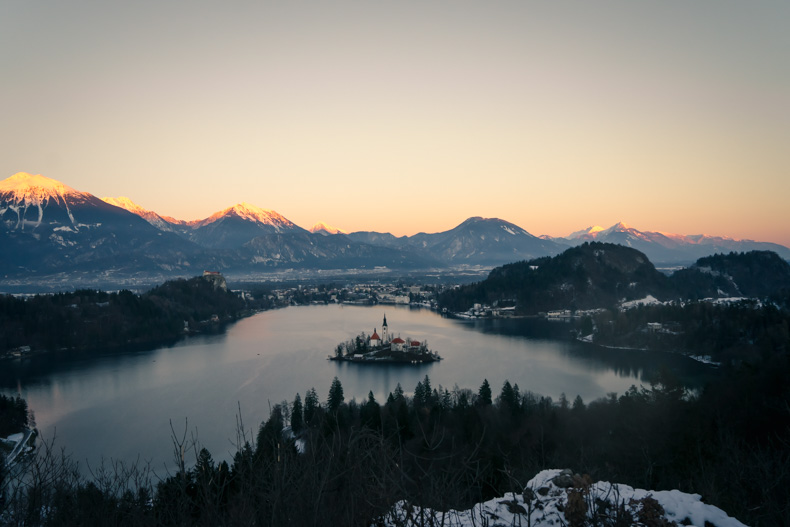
216 279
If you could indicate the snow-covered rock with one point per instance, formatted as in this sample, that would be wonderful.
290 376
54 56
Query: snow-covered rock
552 497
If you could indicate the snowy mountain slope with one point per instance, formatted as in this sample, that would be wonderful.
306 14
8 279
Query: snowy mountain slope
163 223
588 232
50 227
323 228
484 241
556 497
237 225
476 241
250 213
669 248
29 201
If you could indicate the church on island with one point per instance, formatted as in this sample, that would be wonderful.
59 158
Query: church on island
384 348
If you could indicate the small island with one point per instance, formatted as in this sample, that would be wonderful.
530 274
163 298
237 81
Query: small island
375 349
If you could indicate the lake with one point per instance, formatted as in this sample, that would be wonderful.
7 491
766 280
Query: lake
120 405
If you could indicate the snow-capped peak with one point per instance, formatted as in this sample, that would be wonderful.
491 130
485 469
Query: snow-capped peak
322 227
589 231
33 190
125 203
617 227
592 233
251 213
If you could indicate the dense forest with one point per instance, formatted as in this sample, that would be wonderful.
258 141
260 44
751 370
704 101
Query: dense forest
88 319
728 332
13 415
342 462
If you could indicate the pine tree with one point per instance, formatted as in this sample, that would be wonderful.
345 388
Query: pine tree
310 405
419 395
508 398
427 391
370 413
204 468
297 416
398 393
335 398
578 404
484 394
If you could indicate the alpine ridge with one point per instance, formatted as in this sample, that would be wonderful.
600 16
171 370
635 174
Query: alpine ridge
164 223
666 248
323 228
49 228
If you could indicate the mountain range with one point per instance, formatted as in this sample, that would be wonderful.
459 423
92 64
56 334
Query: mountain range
49 228
665 248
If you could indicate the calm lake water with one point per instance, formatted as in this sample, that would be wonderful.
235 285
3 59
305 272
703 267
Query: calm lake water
119 406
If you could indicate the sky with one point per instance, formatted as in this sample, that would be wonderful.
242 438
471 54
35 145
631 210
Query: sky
411 116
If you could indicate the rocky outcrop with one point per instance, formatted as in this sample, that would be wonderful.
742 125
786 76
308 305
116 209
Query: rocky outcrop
561 497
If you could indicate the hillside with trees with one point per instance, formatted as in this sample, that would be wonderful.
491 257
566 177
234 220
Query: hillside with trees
87 319
727 332
589 276
755 274
603 275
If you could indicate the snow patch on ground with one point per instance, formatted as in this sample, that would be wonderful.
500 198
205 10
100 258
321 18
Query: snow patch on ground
733 300
705 359
544 503
648 300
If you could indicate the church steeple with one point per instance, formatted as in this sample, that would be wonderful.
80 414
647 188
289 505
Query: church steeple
384 330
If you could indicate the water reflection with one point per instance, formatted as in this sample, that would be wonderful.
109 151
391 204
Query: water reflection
120 405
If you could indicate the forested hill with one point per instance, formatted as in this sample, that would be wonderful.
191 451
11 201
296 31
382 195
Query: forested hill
755 274
588 276
600 275
88 319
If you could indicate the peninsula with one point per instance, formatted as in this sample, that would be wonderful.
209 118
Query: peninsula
384 349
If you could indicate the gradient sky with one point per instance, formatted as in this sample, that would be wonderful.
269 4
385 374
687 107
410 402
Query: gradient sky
411 116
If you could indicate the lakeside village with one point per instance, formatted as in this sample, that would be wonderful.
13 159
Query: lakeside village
423 296
373 293
384 349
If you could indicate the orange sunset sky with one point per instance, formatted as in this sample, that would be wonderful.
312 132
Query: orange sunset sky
412 115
